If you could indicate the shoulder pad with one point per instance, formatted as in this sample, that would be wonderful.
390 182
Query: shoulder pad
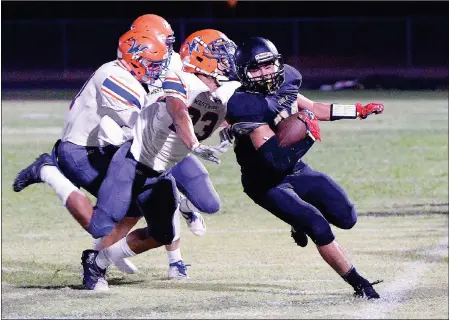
292 75
225 91
175 62
246 107
121 88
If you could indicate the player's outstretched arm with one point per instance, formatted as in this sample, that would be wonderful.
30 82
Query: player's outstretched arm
178 111
335 111
320 110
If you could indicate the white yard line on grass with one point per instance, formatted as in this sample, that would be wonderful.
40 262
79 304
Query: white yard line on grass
393 294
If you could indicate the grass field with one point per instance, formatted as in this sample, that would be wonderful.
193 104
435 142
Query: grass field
393 166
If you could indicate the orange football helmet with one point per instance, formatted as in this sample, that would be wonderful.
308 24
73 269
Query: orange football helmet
157 25
208 52
145 56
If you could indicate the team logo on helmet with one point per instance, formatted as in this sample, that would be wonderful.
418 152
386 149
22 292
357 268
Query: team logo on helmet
264 56
194 45
136 49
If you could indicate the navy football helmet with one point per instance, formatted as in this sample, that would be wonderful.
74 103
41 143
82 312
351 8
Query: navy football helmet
252 54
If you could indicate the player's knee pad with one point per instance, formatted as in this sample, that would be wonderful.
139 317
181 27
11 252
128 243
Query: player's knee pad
161 237
101 224
320 233
208 204
349 219
164 237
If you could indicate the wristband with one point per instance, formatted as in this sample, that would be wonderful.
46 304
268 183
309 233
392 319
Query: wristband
343 111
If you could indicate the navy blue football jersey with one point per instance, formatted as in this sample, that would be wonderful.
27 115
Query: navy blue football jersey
260 108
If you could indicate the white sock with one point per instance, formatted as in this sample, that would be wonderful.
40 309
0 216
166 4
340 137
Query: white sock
98 243
174 255
186 206
55 179
117 251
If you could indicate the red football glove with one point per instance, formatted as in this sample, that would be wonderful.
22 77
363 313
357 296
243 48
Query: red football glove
313 128
364 111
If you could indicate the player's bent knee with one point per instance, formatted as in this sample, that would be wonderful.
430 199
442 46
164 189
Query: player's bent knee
101 224
349 219
210 205
164 238
160 206
321 234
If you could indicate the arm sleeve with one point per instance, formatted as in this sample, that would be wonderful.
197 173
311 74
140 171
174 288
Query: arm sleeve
282 159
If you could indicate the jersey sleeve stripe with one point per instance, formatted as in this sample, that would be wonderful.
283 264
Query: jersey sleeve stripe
124 85
175 80
176 86
121 92
176 94
116 97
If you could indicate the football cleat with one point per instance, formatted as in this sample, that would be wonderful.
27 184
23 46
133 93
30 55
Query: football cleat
195 222
367 291
300 237
178 270
94 278
31 174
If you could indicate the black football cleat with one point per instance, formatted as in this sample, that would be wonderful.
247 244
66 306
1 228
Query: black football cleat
300 237
94 278
367 291
31 174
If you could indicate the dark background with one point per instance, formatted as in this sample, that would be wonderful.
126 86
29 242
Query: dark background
35 10
50 39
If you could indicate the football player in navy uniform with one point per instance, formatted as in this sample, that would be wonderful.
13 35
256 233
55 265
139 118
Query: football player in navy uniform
275 177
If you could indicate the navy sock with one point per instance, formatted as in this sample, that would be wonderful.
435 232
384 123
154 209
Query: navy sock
354 279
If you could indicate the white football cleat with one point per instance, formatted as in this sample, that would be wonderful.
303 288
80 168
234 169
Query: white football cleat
194 219
195 222
126 266
101 285
178 271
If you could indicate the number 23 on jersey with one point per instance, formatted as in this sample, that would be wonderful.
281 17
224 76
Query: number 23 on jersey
202 124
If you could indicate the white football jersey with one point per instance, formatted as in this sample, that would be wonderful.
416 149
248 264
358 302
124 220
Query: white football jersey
155 89
111 91
175 62
155 142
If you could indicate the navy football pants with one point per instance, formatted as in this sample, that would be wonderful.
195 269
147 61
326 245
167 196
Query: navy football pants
132 186
84 166
307 200
192 179
87 167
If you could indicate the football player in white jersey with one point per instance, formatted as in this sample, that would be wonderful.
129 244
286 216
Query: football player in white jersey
210 203
110 134
113 93
164 134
